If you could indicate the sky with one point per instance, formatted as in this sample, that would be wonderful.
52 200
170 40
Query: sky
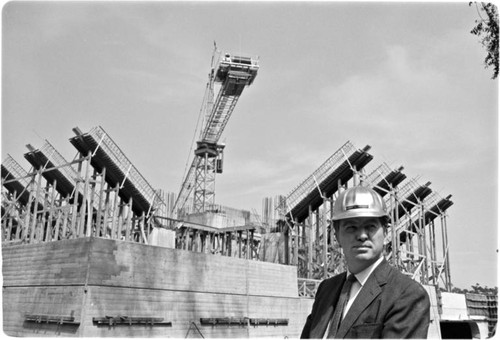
408 79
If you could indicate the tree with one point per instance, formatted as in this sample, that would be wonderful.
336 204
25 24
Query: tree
487 30
477 289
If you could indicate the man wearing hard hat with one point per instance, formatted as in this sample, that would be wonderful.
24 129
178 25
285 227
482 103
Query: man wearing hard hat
372 299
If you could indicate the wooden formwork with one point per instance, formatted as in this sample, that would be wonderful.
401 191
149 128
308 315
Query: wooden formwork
72 285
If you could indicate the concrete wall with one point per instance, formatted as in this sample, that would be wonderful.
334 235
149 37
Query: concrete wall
434 329
94 277
454 307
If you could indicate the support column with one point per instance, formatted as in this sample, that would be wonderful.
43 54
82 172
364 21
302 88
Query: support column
115 212
424 245
310 245
48 231
85 204
394 222
129 221
100 224
74 226
35 208
325 241
446 252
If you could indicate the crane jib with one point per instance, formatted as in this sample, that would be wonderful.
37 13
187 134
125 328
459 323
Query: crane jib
234 73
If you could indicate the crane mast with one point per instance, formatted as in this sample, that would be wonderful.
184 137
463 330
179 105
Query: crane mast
233 73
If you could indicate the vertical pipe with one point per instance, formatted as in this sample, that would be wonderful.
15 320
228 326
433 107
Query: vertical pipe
107 207
394 218
85 202
5 222
198 241
317 224
142 225
48 225
310 244
100 225
224 243
296 246
74 227
129 221
448 270
229 242
120 222
201 241
187 238
27 216
8 224
48 231
239 244
325 241
424 245
247 246
19 225
92 225
332 230
115 211
252 257
286 246
65 218
432 237
35 208
444 252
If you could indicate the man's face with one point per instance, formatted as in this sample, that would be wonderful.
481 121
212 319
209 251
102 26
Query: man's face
362 239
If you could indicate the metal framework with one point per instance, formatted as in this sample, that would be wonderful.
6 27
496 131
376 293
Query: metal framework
234 74
412 242
101 194
325 181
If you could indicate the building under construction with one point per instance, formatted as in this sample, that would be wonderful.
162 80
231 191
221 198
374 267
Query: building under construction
91 249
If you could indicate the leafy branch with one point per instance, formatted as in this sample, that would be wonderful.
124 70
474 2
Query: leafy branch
487 30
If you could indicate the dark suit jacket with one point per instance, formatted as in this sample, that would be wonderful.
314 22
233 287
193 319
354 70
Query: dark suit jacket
390 305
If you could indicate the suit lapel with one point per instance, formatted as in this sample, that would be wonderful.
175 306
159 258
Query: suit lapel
366 295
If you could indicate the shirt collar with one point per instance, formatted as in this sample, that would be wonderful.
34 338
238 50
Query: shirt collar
363 275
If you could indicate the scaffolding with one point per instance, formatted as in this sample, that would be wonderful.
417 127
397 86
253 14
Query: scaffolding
325 181
100 193
382 179
412 242
104 153
55 170
16 180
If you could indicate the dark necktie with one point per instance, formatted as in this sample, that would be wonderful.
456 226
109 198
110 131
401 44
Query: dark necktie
339 308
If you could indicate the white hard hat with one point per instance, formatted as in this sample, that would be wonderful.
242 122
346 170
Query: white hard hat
359 201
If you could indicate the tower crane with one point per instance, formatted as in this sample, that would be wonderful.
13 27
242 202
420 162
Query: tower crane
233 73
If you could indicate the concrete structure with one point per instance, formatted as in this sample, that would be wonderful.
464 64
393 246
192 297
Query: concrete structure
90 248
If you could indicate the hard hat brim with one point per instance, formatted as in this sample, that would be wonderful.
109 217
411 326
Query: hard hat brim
359 213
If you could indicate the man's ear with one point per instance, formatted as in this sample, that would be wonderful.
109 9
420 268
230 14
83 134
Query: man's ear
336 233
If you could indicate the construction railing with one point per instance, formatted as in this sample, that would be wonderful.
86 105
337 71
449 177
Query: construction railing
119 170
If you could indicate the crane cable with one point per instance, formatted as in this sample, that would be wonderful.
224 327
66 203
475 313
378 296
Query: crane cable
200 115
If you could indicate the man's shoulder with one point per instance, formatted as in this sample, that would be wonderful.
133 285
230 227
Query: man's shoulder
395 276
334 280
